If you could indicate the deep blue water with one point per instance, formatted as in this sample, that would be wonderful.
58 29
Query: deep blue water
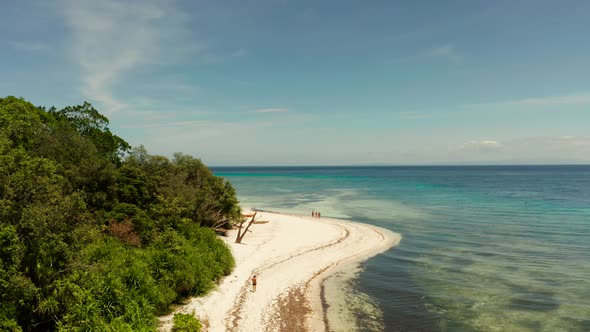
484 248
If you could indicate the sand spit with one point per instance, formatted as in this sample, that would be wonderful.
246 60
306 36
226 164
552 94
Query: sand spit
290 255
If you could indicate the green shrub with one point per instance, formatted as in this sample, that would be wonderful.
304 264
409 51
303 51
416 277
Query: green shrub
186 323
90 241
8 324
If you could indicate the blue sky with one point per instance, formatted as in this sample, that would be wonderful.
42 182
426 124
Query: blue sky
315 82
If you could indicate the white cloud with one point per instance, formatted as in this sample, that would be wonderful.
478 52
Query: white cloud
447 52
110 39
534 150
574 99
272 110
482 146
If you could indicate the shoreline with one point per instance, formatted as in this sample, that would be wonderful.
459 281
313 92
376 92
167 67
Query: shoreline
317 294
292 255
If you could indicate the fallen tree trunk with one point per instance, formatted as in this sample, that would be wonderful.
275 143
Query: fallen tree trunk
240 234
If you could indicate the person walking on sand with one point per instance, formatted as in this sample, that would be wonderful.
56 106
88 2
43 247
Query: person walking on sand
319 215
254 283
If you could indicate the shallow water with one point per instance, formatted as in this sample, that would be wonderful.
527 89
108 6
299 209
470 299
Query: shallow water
503 248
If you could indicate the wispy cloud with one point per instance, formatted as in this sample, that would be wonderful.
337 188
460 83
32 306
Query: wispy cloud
574 99
447 52
540 149
28 46
482 146
272 110
524 104
110 39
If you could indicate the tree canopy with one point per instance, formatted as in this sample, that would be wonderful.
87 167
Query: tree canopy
96 235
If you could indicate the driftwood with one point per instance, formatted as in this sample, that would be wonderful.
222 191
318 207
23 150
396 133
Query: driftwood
244 219
220 220
221 231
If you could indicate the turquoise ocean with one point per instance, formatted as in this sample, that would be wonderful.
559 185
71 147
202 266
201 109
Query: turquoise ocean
484 248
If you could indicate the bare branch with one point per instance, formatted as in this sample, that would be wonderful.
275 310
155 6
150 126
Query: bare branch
241 236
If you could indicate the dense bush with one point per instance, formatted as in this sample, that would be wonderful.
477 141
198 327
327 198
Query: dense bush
186 323
91 240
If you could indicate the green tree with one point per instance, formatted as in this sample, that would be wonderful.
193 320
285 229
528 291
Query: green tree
133 185
21 121
80 163
94 126
92 242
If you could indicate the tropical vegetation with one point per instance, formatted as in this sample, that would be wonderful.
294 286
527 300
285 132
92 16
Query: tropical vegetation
96 235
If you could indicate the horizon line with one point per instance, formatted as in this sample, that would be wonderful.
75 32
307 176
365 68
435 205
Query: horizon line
402 165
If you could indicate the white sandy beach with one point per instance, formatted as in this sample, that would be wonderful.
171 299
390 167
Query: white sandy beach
289 255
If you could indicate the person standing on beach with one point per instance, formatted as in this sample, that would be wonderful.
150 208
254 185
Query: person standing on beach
254 283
